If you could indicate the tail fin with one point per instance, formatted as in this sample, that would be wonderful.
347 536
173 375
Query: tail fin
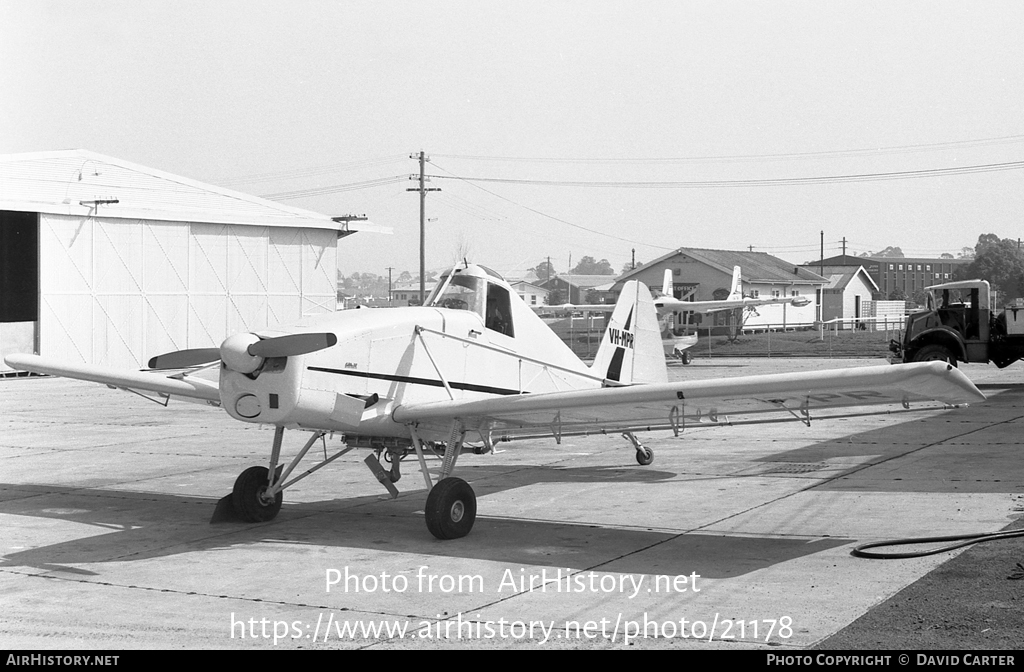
666 284
631 349
737 285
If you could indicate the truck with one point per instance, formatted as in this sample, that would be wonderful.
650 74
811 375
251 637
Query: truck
958 325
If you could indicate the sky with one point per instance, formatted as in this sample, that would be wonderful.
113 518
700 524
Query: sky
552 128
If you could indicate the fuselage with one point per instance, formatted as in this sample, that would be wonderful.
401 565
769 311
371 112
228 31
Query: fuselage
388 357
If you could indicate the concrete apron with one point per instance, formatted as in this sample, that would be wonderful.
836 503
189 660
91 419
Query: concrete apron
734 536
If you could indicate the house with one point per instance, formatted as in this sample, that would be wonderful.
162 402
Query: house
531 294
408 293
846 296
576 288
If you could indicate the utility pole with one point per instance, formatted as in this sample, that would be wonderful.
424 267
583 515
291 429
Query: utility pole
423 220
844 249
390 268
821 264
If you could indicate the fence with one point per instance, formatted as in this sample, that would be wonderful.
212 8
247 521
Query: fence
833 339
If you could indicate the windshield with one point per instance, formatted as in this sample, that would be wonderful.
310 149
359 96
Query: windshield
461 292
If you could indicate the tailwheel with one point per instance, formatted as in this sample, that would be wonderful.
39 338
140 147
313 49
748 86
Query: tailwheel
249 496
451 508
644 455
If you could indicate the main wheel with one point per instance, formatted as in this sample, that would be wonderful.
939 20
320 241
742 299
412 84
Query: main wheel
935 353
685 357
249 496
451 508
644 456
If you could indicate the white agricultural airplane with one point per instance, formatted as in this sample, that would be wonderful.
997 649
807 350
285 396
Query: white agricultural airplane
476 364
666 304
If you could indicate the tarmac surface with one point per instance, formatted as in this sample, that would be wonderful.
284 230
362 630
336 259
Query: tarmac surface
735 537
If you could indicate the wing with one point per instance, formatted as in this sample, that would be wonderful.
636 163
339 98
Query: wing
180 385
766 398
666 304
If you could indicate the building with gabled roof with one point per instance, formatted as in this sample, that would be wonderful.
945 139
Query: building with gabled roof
846 295
110 262
575 287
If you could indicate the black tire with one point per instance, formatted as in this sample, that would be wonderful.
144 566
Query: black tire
935 353
451 508
686 357
246 496
644 456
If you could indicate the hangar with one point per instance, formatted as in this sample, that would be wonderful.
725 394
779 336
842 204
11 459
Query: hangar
107 262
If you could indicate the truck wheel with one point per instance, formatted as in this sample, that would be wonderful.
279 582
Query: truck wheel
935 353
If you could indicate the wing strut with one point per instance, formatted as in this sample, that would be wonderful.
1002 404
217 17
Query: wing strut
419 333
804 415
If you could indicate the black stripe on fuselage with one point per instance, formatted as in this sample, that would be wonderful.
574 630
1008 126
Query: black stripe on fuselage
469 387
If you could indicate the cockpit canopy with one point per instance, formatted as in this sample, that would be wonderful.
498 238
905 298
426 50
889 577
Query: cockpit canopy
477 289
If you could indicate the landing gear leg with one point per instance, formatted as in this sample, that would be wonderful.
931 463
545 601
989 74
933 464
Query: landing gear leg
644 455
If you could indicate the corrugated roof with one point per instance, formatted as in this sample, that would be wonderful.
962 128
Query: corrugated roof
759 267
76 182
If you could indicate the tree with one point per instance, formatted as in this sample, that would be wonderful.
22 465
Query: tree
545 270
555 297
1000 262
628 266
897 295
946 255
891 251
587 266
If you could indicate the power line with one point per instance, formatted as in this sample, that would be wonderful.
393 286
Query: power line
316 170
767 182
898 149
336 189
552 217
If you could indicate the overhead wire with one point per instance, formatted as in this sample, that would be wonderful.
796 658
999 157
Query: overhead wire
335 189
881 151
553 218
764 182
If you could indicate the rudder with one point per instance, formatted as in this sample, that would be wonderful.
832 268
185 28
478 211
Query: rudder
631 350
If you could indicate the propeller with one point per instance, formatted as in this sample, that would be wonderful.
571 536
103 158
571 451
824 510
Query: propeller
183 359
245 352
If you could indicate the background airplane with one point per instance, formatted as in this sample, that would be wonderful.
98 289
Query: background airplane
675 344
473 367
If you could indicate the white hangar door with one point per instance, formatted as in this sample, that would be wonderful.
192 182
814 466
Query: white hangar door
116 291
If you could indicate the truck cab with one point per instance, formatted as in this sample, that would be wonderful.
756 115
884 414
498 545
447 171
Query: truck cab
957 325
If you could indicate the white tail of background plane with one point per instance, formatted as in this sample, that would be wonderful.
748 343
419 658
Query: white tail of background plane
631 350
735 290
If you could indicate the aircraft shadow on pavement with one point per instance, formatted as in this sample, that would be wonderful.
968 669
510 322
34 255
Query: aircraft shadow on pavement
134 526
967 450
